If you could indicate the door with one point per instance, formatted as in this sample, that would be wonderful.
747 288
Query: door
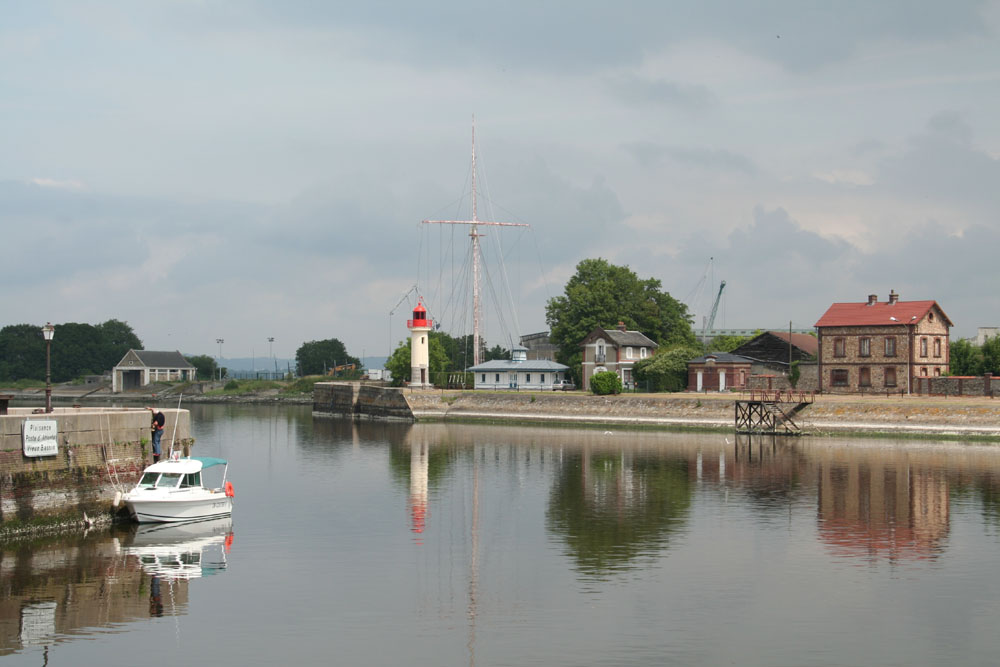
722 380
701 380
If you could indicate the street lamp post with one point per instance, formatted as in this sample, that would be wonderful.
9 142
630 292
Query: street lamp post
220 341
48 331
270 352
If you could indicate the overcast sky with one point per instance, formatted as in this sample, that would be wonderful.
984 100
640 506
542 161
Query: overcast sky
247 170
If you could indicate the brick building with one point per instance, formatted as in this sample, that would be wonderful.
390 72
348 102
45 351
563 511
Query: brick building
873 346
614 350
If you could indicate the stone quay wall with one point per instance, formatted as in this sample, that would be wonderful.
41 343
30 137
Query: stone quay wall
355 400
100 451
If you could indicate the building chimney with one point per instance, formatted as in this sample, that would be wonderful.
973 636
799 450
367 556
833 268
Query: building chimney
621 326
872 299
893 297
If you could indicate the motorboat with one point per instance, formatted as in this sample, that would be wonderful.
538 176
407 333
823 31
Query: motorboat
173 490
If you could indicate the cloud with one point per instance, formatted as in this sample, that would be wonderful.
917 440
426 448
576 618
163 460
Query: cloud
69 184
649 154
638 90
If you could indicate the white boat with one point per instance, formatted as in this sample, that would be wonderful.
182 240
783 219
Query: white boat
173 490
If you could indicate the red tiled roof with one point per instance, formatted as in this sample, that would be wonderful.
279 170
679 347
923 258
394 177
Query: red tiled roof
805 342
862 314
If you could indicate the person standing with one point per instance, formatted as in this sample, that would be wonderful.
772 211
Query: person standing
156 427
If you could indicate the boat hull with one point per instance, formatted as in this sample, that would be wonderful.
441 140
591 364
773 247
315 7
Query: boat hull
161 510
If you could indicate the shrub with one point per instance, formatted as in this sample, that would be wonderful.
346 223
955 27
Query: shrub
231 385
794 374
606 382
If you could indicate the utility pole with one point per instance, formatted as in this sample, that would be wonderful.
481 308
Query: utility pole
220 341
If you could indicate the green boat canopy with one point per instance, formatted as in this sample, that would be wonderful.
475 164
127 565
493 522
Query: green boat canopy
208 461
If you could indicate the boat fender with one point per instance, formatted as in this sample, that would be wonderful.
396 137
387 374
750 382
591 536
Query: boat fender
229 490
118 498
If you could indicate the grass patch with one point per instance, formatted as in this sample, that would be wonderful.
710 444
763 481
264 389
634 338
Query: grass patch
304 385
24 383
246 388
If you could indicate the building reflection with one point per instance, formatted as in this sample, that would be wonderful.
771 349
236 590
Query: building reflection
876 508
77 586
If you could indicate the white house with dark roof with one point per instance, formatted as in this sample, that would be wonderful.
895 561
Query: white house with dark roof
139 368
518 372
615 350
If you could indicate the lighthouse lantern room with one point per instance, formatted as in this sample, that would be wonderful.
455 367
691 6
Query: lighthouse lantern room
419 328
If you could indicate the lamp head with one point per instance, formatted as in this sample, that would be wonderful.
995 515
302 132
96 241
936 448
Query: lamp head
48 331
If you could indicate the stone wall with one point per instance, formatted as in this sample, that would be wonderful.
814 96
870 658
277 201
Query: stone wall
763 377
957 386
101 450
360 401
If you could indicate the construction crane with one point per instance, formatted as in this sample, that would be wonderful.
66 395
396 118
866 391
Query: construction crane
710 322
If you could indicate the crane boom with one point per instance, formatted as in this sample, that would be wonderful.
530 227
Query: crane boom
711 318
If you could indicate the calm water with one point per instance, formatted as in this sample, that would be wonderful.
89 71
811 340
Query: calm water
377 544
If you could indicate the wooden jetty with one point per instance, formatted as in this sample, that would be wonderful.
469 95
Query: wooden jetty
771 411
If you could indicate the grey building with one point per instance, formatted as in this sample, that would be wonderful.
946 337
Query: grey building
139 368
518 372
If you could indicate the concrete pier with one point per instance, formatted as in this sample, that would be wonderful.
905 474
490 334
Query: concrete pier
98 451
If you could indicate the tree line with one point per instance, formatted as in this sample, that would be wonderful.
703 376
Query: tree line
967 358
77 350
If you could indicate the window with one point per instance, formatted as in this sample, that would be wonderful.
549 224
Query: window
864 377
890 346
498 378
890 376
600 352
923 372
527 378
937 372
937 347
865 347
628 352
838 377
484 377
923 347
642 353
542 380
838 347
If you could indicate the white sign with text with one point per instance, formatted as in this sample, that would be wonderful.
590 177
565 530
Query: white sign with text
40 437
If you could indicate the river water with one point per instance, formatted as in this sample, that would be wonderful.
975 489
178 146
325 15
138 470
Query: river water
434 544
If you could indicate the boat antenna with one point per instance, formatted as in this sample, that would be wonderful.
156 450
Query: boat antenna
176 419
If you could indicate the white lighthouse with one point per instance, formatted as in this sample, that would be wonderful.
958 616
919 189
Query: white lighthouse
419 328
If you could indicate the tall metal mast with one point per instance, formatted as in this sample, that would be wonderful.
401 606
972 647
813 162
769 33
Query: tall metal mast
474 234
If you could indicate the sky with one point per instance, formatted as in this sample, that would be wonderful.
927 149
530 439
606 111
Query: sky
252 170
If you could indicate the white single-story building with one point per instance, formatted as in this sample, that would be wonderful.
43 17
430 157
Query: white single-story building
517 372
139 368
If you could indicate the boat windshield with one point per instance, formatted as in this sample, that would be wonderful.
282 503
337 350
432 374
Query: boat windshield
148 480
169 480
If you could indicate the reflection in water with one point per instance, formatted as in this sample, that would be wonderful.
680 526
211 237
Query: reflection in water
181 550
878 507
520 545
613 506
55 588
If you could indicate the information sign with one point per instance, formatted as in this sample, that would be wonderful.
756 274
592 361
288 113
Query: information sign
40 437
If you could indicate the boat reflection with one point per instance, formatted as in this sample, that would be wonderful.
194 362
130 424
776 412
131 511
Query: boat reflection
181 550
82 585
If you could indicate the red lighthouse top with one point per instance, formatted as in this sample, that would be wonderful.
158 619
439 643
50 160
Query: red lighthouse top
419 317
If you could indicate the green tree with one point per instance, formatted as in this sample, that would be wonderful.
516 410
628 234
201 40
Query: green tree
666 370
117 338
399 363
601 294
22 353
204 365
317 356
605 382
991 355
965 358
728 343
